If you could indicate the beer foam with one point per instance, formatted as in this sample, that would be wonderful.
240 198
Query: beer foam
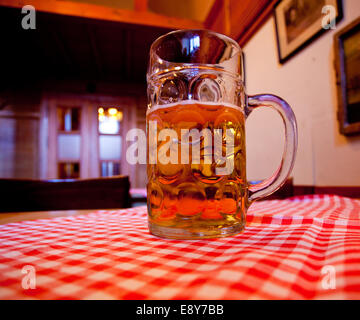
191 102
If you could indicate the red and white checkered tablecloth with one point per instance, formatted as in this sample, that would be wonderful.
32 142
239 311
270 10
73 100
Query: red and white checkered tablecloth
299 248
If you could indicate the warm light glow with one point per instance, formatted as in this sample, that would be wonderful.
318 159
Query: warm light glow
112 111
109 120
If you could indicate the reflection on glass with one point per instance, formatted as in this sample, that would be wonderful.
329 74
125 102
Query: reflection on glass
109 120
68 119
69 170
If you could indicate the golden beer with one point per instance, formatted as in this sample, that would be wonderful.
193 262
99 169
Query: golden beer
192 196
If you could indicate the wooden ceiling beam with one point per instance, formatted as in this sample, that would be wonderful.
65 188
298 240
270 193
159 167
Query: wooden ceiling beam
141 5
215 19
239 19
254 17
84 10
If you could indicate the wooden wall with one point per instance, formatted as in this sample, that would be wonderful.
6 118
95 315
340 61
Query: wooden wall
19 136
26 144
239 19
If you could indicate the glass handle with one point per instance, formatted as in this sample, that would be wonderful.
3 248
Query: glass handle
263 188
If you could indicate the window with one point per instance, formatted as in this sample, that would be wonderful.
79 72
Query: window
68 142
85 137
68 119
109 129
109 120
68 170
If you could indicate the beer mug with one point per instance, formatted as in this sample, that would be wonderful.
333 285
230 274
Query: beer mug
196 159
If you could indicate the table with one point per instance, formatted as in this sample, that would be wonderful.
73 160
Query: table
304 247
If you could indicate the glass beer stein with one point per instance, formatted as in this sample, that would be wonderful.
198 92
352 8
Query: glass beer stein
196 159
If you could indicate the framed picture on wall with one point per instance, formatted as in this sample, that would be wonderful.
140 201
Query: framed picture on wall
347 65
298 22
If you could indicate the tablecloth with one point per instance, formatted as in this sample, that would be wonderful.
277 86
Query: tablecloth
304 247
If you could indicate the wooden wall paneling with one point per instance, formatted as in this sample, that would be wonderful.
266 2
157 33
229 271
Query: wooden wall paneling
27 148
7 138
127 168
43 139
93 139
54 101
344 191
290 190
300 190
227 17
141 174
239 19
140 5
216 19
255 21
243 13
19 156
64 195
86 143
52 140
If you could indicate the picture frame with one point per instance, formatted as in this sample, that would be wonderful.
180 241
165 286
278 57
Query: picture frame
347 67
299 22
